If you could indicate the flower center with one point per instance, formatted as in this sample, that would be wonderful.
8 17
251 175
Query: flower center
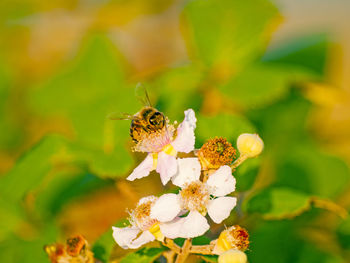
141 215
195 196
155 141
215 153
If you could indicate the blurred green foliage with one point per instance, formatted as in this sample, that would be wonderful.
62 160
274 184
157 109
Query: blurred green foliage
255 91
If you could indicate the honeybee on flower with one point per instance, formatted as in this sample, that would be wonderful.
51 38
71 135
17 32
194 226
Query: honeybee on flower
153 134
205 182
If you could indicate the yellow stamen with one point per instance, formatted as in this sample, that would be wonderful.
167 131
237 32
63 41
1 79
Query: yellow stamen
155 160
169 149
155 231
223 244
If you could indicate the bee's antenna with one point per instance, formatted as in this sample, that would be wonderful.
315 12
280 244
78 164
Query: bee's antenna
142 94
120 116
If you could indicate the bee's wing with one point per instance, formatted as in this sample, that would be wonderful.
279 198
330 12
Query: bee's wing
142 95
120 116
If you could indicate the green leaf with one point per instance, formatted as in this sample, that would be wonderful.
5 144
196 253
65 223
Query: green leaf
309 52
83 94
31 168
261 84
299 162
144 255
61 187
40 171
103 164
178 91
307 168
19 250
274 241
228 33
10 217
278 203
343 234
201 240
246 173
223 125
210 258
11 134
312 254
102 248
282 124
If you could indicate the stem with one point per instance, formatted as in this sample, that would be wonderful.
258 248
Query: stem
330 206
204 250
169 256
184 252
238 162
171 244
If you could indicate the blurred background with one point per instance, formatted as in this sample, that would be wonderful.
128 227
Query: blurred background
279 68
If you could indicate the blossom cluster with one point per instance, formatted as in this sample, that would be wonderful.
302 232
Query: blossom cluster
205 183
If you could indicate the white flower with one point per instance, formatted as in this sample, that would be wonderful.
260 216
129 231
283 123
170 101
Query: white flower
196 197
163 148
143 228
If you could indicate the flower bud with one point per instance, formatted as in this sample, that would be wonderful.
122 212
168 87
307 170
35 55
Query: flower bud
250 145
235 237
216 153
233 256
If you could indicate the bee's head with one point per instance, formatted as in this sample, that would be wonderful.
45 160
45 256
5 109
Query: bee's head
157 120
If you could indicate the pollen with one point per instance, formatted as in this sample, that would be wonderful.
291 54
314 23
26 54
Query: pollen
155 141
238 237
215 153
195 196
141 214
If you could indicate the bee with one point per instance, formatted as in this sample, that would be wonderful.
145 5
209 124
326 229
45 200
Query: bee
147 121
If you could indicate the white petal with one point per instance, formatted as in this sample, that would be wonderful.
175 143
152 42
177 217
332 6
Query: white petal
144 238
166 208
194 225
222 182
220 208
185 139
166 167
172 229
189 170
147 199
124 236
143 170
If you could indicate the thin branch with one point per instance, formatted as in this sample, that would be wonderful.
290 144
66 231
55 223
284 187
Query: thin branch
185 251
169 256
171 244
238 162
204 250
